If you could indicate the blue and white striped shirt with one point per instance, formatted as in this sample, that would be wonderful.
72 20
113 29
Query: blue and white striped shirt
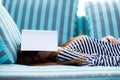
99 53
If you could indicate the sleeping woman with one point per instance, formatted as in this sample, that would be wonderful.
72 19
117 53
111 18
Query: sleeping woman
81 50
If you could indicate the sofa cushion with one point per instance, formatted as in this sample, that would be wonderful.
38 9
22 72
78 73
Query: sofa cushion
57 15
9 37
103 17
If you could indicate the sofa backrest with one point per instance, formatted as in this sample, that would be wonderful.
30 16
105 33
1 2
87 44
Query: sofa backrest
82 25
57 15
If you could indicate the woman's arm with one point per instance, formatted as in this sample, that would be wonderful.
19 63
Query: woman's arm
103 60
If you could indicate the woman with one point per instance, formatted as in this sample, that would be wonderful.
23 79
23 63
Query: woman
81 50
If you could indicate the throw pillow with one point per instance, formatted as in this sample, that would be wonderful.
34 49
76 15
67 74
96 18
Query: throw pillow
9 38
59 15
103 17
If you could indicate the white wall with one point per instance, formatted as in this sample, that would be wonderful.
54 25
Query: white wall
81 6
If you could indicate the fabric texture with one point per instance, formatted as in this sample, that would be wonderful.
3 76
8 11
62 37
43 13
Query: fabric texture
82 26
103 17
58 72
9 38
57 15
98 53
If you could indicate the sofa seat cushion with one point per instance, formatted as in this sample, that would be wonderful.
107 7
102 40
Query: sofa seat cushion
9 37
103 17
58 72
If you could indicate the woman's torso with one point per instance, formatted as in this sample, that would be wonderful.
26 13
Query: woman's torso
99 53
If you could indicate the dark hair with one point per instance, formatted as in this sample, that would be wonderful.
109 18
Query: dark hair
34 57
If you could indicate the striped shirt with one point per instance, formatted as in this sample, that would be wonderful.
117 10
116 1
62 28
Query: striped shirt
99 53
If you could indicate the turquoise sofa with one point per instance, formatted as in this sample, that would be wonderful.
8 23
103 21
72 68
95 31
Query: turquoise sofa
101 18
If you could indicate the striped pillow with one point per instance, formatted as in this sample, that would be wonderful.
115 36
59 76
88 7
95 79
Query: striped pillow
103 17
57 15
9 38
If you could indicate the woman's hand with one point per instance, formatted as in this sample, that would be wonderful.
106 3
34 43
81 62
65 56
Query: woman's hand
110 39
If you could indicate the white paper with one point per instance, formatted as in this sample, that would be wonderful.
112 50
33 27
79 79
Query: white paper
39 40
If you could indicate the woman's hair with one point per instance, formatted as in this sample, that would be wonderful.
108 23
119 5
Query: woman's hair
70 41
37 57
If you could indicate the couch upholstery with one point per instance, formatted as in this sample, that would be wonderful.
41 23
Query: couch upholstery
10 38
103 17
60 15
57 15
